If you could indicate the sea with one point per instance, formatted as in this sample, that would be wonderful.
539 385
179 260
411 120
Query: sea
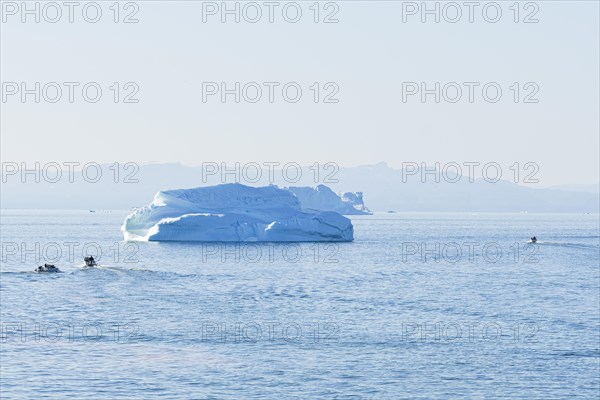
418 306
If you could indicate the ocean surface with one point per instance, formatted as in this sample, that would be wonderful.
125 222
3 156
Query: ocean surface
419 306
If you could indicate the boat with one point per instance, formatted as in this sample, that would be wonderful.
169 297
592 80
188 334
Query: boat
533 240
47 268
89 261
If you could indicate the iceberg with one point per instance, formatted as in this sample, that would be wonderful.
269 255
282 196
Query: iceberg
234 213
322 198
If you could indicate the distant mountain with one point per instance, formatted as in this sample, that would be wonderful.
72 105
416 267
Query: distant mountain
593 188
384 188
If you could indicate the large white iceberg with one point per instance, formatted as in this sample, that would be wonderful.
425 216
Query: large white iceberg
233 213
322 198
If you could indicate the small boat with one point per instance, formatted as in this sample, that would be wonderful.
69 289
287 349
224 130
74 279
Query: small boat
89 261
47 268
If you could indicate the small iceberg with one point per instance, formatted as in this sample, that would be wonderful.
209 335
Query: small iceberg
234 213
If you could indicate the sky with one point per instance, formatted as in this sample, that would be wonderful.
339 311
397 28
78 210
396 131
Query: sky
361 80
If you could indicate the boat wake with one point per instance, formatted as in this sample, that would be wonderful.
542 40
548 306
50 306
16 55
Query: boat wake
564 244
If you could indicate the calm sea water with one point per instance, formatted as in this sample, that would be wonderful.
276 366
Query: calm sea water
418 306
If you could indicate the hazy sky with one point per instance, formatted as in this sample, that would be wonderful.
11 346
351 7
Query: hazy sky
367 55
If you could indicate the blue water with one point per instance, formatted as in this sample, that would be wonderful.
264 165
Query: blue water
388 316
